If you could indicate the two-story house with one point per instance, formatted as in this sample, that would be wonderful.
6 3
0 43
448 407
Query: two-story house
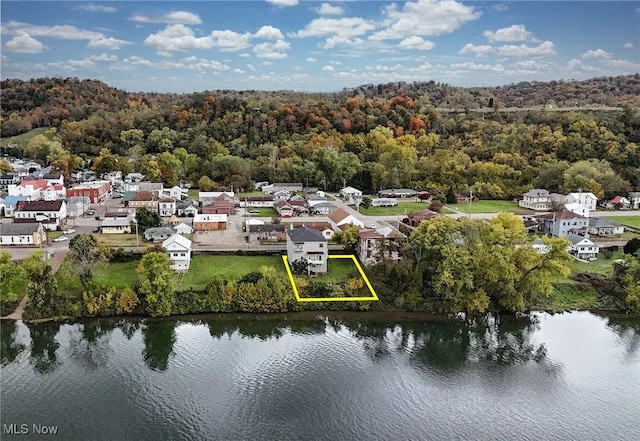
379 245
582 247
563 223
166 207
179 249
310 246
351 195
589 200
536 199
52 214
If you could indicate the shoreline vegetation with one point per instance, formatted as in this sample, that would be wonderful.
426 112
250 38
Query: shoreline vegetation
500 275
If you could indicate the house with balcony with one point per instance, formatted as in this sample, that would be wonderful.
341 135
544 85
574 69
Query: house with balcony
537 199
380 245
310 246
603 227
582 247
179 249
563 223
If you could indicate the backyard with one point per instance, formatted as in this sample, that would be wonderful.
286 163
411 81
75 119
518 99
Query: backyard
403 207
262 212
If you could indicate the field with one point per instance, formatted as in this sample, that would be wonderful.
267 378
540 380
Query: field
403 207
121 240
486 207
263 212
632 221
251 193
204 267
119 275
193 193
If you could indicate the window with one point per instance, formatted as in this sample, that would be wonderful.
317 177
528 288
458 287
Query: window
182 254
321 245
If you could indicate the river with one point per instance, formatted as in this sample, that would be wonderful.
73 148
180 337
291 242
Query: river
359 376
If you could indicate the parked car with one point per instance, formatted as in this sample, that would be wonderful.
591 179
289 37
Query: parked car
60 239
91 212
69 231
372 226
254 211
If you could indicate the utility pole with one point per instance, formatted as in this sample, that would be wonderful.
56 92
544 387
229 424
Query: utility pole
470 202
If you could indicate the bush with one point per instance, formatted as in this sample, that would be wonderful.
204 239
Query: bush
435 206
121 255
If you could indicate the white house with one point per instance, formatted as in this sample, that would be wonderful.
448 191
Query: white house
536 199
582 247
540 246
310 246
183 229
589 200
618 202
351 195
634 199
31 234
179 249
51 213
562 223
166 207
176 192
340 217
324 208
577 208
384 202
601 226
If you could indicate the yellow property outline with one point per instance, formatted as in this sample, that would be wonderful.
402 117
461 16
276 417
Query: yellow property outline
373 297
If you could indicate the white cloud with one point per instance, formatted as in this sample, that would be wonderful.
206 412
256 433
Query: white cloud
577 66
196 64
81 64
64 32
178 37
628 45
544 49
103 57
424 17
470 65
90 7
512 33
332 42
137 61
269 33
311 60
328 68
238 71
108 43
417 43
230 41
283 3
174 17
24 44
244 55
327 9
340 27
272 50
597 54
479 51
251 67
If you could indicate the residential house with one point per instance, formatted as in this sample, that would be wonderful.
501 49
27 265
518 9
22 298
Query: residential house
23 234
577 208
209 222
284 208
133 178
601 226
540 246
465 198
10 204
537 199
291 187
582 247
223 204
186 208
340 219
259 185
143 199
54 178
281 195
384 202
618 203
563 223
634 199
166 207
156 234
175 192
397 193
183 229
589 200
179 249
380 245
115 225
416 217
52 214
351 195
252 221
256 201
322 227
32 189
153 187
97 191
206 197
310 246
269 232
323 208
7 179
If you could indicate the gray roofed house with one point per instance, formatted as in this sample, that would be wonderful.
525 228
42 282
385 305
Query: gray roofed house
22 234
155 234
309 246
601 226
115 225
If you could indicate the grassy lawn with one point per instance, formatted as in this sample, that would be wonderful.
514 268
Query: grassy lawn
339 270
193 193
632 221
119 275
204 267
251 193
53 234
121 240
403 207
263 212
486 207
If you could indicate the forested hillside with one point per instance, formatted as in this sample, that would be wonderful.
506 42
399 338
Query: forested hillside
420 135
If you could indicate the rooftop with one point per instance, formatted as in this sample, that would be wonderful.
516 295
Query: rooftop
306 234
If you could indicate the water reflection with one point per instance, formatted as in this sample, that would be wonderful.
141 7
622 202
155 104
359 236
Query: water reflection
10 347
44 346
628 330
158 336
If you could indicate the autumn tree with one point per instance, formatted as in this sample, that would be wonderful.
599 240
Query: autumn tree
157 283
86 252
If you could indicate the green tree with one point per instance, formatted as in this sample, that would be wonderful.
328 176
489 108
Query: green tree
348 237
157 287
5 167
147 219
206 184
85 252
10 277
44 300
127 301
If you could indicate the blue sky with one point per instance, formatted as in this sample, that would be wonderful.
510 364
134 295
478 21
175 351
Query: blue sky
170 46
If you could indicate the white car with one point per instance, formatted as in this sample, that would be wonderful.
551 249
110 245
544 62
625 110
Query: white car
60 239
69 231
372 226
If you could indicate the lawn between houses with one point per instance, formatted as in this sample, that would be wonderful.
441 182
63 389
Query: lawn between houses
486 206
403 207
632 221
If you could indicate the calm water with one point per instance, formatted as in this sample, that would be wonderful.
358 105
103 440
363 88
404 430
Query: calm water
569 377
